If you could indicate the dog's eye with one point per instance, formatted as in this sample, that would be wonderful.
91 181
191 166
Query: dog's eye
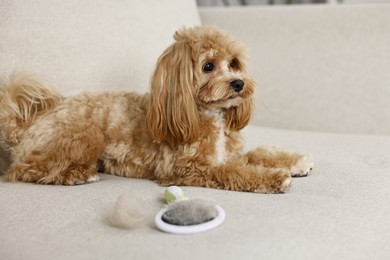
233 64
209 67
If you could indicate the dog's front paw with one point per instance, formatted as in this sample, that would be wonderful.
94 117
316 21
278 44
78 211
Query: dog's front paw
274 181
302 167
80 181
283 182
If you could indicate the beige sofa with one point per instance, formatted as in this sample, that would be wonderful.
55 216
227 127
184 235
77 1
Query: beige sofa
323 88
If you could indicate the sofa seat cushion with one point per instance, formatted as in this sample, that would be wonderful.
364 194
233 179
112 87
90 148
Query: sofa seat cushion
339 212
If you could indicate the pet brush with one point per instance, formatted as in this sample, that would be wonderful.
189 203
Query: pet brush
187 216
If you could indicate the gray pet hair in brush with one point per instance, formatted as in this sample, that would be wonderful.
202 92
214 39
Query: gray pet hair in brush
190 212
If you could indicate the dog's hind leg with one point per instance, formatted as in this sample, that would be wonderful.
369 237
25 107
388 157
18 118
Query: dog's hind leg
38 173
70 160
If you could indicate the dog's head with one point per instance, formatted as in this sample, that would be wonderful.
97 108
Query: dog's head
203 70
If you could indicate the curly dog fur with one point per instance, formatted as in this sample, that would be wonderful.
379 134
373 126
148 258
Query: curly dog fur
184 132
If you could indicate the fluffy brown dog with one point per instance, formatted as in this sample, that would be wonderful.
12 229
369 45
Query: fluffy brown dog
185 132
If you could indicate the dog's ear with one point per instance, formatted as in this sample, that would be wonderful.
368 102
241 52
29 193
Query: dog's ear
173 114
238 117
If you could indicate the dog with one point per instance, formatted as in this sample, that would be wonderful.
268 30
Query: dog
186 131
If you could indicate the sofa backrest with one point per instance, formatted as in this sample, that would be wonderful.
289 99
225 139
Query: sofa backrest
90 44
321 68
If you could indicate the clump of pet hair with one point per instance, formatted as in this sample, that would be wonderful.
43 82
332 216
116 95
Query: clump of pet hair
127 213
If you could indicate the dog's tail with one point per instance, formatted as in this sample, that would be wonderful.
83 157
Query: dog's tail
23 98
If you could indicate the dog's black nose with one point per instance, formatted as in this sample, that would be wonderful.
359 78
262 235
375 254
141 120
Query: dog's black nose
237 85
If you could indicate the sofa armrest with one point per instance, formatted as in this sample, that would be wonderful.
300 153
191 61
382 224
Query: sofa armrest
320 68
